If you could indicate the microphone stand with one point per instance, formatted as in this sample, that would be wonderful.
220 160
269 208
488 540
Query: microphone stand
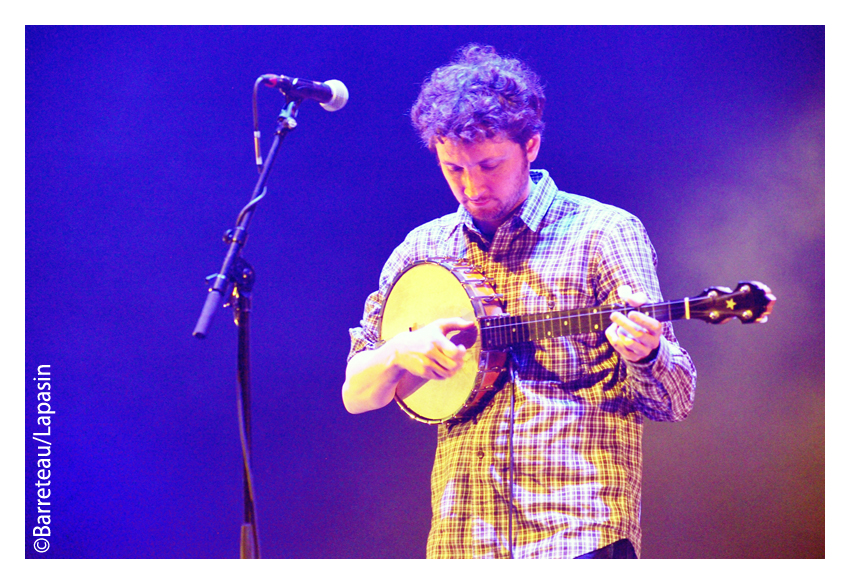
237 273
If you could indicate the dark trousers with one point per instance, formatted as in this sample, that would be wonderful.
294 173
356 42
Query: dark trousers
619 550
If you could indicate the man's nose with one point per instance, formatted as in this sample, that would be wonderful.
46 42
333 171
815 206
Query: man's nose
471 184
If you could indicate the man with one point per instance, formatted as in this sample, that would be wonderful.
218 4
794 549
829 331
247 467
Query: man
550 468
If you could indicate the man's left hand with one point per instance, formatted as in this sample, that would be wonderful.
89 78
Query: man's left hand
638 335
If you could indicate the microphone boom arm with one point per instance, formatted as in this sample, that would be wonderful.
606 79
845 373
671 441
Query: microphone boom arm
236 238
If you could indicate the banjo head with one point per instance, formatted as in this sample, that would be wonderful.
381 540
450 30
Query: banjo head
427 291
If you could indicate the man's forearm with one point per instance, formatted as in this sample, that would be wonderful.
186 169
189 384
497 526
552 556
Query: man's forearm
370 380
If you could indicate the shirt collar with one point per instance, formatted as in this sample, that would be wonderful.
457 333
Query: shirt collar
539 200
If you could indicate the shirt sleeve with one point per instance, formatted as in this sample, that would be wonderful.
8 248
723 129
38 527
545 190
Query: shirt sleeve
366 336
663 388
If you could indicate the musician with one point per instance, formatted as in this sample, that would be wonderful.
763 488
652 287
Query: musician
571 422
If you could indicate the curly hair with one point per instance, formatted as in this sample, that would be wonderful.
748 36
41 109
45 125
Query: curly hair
479 95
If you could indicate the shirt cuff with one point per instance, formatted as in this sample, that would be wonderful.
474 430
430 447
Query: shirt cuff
659 360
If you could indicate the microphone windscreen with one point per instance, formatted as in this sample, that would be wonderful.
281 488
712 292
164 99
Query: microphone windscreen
340 95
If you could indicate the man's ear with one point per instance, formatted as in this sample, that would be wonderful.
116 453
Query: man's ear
532 148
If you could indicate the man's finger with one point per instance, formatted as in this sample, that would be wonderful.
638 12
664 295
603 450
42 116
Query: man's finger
647 322
628 324
448 325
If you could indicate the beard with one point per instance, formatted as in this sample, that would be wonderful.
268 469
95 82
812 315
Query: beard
497 210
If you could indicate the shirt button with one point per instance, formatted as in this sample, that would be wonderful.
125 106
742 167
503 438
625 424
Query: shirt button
480 454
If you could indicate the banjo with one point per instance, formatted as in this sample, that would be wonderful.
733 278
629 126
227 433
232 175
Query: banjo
446 287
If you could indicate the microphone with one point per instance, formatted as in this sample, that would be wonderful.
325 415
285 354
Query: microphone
331 95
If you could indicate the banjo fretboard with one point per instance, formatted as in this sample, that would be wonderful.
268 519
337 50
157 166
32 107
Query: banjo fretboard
500 332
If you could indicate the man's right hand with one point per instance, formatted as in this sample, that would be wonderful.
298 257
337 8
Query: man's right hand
427 352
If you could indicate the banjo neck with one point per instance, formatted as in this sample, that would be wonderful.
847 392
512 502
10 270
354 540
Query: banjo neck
750 301
500 332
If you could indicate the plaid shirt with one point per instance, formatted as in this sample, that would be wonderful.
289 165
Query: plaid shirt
579 406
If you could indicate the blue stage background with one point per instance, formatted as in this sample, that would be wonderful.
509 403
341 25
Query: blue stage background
139 155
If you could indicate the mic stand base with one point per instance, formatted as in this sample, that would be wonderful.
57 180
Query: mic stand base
246 545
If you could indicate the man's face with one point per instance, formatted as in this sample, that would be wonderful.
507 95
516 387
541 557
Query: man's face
489 178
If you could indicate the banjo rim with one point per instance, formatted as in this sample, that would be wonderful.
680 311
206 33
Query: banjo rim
491 365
